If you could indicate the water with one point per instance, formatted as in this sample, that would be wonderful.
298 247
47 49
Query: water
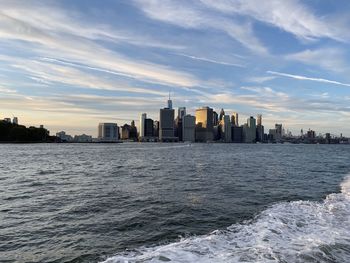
174 203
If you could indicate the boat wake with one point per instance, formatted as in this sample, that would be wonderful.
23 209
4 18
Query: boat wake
300 231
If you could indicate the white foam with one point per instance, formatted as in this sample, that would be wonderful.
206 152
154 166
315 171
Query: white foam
301 231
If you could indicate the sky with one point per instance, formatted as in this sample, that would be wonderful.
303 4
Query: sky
72 64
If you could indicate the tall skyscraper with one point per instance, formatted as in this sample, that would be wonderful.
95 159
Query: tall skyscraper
188 128
259 119
142 125
259 129
222 114
181 112
234 119
204 124
166 123
215 118
149 129
225 124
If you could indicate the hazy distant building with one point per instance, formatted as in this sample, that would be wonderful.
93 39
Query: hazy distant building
156 129
204 124
82 138
181 112
108 132
142 125
64 137
279 129
188 128
15 120
234 119
249 130
8 120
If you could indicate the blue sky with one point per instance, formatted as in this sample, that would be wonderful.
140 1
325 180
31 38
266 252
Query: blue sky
72 64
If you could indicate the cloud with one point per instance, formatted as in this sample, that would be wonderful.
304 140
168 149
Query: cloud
182 14
212 61
291 16
54 39
308 78
260 79
327 58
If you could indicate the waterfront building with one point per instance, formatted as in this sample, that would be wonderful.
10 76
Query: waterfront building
188 128
204 124
249 130
272 137
82 138
64 137
108 132
156 129
142 125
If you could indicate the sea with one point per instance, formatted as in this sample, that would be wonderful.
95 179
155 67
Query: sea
153 202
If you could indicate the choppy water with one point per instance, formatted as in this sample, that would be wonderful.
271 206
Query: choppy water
174 203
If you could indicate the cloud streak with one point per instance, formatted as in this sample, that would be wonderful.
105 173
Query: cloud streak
308 78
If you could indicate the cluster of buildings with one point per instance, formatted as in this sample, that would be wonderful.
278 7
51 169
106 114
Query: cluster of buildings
206 126
13 121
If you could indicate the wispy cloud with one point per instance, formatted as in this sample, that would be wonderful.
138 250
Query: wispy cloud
331 59
289 15
183 14
308 78
212 61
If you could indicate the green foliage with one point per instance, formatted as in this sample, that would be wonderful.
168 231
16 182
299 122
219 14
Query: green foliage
18 133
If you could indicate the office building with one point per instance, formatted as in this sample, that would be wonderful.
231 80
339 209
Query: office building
225 128
181 112
142 125
82 138
188 128
204 124
166 124
215 118
259 129
234 119
108 132
278 128
149 128
249 130
236 134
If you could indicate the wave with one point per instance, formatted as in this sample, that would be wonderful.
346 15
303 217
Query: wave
300 231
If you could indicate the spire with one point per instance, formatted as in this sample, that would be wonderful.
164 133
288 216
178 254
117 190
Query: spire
170 103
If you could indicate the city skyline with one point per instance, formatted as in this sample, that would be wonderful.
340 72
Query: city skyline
110 61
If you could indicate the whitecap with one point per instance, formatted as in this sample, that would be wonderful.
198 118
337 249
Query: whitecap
300 231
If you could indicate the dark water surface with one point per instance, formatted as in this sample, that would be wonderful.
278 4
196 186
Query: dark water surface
172 202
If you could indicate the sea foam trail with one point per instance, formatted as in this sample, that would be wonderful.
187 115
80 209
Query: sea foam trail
301 231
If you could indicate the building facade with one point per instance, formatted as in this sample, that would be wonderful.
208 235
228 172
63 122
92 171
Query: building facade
188 128
108 132
204 124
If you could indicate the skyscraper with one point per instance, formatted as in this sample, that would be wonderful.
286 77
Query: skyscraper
188 128
181 112
249 130
142 125
204 124
259 129
234 119
222 114
166 123
225 128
